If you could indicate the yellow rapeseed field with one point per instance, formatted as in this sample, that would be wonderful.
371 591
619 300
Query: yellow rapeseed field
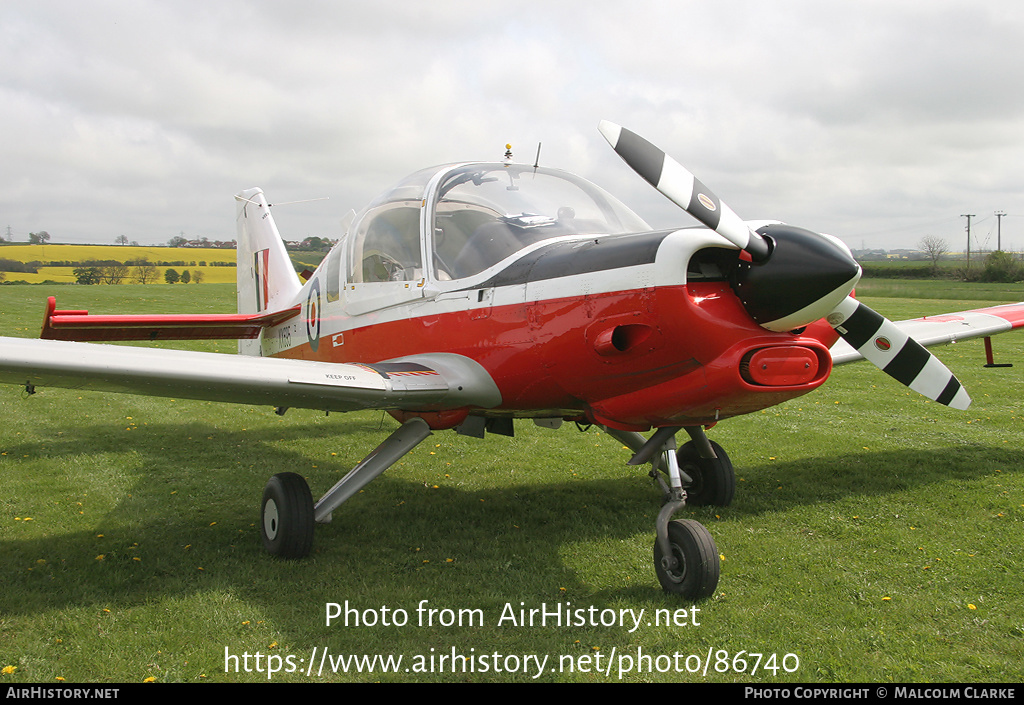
45 254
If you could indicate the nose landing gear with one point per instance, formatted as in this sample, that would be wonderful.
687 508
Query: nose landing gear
686 559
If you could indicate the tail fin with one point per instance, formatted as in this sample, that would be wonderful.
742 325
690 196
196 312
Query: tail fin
267 280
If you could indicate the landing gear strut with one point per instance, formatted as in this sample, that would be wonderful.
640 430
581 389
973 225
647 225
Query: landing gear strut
288 514
685 556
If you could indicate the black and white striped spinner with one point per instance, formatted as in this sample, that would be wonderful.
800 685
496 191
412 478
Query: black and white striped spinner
894 352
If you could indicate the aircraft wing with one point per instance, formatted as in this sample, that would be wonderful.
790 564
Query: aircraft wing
947 328
419 382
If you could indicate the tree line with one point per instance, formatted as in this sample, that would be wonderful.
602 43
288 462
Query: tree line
998 266
138 272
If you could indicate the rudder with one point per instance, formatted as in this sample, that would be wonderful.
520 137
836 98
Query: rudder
266 278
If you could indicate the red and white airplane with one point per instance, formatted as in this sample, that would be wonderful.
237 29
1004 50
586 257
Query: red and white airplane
473 294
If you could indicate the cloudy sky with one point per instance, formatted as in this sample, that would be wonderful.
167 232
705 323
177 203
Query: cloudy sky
879 122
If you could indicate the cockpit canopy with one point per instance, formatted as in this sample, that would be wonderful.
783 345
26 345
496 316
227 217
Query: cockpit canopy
457 220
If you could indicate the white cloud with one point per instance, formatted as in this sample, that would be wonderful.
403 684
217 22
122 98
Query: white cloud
850 118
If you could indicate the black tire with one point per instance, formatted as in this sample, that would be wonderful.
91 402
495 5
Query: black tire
696 576
714 480
286 516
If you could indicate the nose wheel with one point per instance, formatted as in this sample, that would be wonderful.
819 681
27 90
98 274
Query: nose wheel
691 567
686 559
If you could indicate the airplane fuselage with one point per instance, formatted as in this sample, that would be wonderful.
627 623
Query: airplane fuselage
630 331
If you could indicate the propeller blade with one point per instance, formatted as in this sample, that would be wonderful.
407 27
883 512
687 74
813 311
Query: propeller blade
683 188
894 352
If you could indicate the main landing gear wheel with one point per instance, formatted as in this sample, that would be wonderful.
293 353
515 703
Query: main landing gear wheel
714 480
286 516
695 575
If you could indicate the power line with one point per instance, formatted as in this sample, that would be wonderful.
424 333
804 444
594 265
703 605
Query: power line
968 216
999 230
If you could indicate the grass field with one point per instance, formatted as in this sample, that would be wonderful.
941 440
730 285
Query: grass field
875 536
941 289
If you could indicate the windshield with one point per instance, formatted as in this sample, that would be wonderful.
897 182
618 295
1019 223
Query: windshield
486 212
386 235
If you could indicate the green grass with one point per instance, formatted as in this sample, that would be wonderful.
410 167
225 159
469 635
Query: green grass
875 535
941 289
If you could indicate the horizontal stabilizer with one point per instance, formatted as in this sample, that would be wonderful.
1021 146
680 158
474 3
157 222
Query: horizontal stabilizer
80 326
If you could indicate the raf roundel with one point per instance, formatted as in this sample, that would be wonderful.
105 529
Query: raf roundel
706 202
313 315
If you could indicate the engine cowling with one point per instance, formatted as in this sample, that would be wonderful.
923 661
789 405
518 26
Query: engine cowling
806 276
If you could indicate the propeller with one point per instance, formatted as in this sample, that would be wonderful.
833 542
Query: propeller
684 189
888 348
799 276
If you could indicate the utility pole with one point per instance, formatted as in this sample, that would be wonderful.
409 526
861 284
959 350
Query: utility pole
968 216
999 230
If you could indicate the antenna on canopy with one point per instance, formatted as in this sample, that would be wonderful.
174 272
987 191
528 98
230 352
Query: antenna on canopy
307 200
285 203
536 162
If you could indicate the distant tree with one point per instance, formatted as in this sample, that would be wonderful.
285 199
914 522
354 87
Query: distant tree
121 240
87 275
114 273
934 247
3 276
143 272
39 238
197 276
185 277
171 276
10 265
177 241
